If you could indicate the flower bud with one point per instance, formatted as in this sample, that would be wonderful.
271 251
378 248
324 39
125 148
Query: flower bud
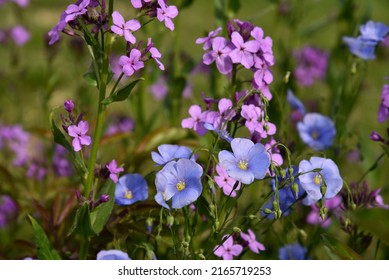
69 105
169 221
236 229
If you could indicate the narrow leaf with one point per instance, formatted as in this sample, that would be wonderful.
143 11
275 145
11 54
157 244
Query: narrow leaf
45 250
82 222
122 93
100 215
339 248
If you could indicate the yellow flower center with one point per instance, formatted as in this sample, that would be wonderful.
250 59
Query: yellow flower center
180 185
242 164
128 194
317 179
315 135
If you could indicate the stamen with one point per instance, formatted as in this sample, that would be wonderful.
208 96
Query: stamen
180 185
243 164
128 194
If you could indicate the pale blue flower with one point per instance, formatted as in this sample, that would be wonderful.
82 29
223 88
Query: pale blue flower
112 255
169 152
130 189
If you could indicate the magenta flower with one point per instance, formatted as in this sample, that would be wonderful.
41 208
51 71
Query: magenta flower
114 170
196 120
332 205
383 111
74 10
228 250
159 88
251 239
225 182
251 113
137 4
244 50
122 28
220 53
78 132
166 13
20 35
131 64
207 41
155 54
69 105
57 29
312 65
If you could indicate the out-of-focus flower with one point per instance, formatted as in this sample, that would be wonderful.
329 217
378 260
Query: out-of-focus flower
317 131
166 13
298 108
248 161
167 153
112 255
312 65
179 181
314 216
78 132
8 210
159 89
131 188
20 35
228 250
253 244
61 163
362 196
293 252
325 181
383 110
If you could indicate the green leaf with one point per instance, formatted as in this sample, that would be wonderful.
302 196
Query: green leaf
60 139
100 215
122 93
339 248
375 221
90 78
45 250
82 222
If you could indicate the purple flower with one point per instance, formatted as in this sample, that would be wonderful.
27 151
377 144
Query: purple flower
225 182
17 140
37 170
243 52
137 4
155 54
196 120
275 154
292 252
207 41
120 124
123 28
383 110
159 89
248 161
168 153
20 35
74 10
374 31
131 188
297 106
317 131
8 210
112 255
252 114
78 132
228 250
114 170
220 53
61 164
166 13
325 183
57 29
251 239
312 65
131 64
314 218
69 105
179 181
362 196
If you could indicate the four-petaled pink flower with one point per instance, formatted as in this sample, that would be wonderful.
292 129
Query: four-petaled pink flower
79 133
253 244
137 4
114 170
228 250
207 41
224 181
196 120
166 13
131 64
220 53
244 52
121 27
73 10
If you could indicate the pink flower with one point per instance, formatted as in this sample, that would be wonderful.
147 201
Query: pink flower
225 182
114 170
131 64
166 13
228 250
196 120
121 27
79 133
253 244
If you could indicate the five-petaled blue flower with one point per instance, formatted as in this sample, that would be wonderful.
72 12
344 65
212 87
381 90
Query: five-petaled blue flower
130 189
325 178
317 131
248 161
170 152
179 181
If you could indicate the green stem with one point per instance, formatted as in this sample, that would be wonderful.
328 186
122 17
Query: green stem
100 109
84 248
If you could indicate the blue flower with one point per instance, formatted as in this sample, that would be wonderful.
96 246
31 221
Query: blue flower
295 103
292 252
313 182
317 131
287 197
112 255
130 189
170 152
359 47
248 161
374 31
179 181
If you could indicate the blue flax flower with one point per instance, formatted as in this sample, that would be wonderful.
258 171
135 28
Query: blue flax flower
112 255
130 189
287 196
179 181
317 131
170 152
292 252
313 182
248 161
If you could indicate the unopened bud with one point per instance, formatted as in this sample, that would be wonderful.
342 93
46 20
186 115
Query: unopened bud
253 217
267 211
236 229
201 256
295 189
170 221
275 205
283 173
286 77
69 105
323 189
277 214
149 224
323 213
303 234
185 244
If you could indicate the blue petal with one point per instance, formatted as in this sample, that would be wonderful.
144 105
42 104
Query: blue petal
375 31
241 147
186 196
188 169
259 161
362 48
